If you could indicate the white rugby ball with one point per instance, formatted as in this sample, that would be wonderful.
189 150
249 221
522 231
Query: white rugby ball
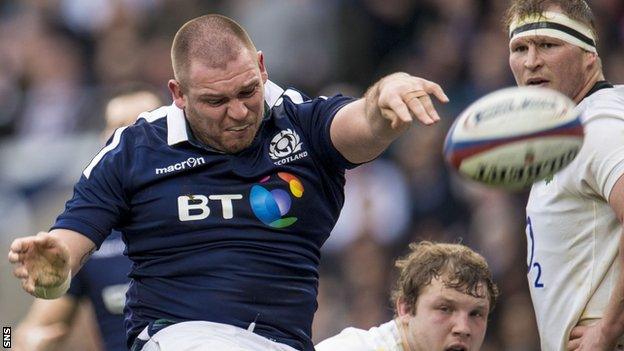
514 137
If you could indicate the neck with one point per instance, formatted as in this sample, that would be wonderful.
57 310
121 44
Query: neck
589 84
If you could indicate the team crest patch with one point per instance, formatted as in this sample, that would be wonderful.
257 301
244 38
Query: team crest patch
286 147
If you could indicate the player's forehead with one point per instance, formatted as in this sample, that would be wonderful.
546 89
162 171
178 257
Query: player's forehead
438 292
238 74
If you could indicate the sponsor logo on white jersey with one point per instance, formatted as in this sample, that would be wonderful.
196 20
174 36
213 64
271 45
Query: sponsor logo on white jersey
285 147
191 162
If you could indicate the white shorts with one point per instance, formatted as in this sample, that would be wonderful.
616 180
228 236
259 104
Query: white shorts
209 336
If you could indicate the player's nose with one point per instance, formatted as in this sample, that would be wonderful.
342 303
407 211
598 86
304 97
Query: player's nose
533 60
237 109
461 325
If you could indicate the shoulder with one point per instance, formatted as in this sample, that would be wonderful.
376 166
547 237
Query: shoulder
150 127
282 101
350 339
603 103
382 338
149 123
153 123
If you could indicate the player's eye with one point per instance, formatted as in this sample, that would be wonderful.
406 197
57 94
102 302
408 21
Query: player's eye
444 308
477 313
519 48
215 102
548 45
248 92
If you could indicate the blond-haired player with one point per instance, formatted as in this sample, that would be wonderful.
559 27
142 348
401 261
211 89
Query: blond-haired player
574 219
443 297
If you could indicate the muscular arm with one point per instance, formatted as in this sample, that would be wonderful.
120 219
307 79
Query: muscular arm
80 247
613 320
364 128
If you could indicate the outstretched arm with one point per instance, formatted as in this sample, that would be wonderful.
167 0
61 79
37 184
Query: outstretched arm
363 129
44 262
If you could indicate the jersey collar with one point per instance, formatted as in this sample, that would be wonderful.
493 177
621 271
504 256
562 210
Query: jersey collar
176 122
601 84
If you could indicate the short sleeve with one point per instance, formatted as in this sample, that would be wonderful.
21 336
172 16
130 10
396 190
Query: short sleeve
315 118
603 149
99 202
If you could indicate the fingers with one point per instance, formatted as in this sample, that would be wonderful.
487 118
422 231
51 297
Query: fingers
422 108
402 112
424 103
25 253
14 257
20 272
45 240
576 335
577 332
395 120
573 344
436 90
29 286
18 245
22 245
406 98
428 105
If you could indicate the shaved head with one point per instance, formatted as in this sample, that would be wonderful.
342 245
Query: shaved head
212 40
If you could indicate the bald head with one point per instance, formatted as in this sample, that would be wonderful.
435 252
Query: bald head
213 40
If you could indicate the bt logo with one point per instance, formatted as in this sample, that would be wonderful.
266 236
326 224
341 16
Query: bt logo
271 206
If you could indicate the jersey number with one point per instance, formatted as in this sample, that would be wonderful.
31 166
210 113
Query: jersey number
537 283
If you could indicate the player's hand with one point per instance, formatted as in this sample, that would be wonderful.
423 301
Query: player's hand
41 261
590 338
403 98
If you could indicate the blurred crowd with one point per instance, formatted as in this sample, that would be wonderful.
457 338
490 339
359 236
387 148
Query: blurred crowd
60 60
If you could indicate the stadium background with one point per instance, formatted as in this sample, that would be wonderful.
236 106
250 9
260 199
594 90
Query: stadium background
61 59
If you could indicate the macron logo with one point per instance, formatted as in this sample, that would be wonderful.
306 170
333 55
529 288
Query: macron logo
191 162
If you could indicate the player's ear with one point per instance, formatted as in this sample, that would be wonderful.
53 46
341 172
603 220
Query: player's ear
591 60
176 93
262 67
403 308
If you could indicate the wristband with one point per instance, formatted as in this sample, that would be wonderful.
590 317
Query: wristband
53 292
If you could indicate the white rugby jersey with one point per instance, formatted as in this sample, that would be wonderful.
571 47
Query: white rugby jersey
386 337
572 232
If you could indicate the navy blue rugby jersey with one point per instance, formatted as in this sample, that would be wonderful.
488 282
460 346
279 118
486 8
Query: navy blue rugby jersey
227 238
104 280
